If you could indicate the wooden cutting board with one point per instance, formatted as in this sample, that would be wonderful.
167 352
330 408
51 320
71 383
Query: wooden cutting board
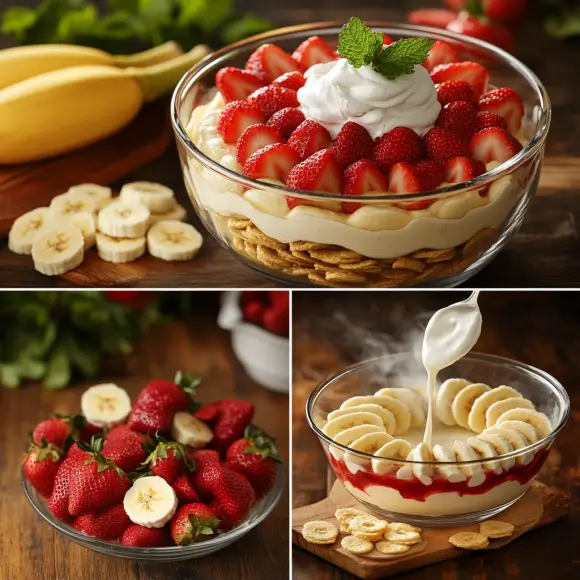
31 185
542 505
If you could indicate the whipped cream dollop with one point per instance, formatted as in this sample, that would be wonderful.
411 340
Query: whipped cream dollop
336 92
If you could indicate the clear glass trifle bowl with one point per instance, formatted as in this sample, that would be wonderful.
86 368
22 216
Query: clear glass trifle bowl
438 494
436 238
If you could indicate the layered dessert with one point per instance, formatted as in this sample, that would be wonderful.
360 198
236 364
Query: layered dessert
348 127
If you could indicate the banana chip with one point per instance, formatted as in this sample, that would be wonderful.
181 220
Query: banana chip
356 545
496 529
469 540
391 548
319 532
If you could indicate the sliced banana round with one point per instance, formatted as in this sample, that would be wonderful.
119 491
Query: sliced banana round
150 502
533 418
105 405
58 249
386 457
494 411
369 443
66 204
355 419
477 415
396 407
178 213
445 397
516 440
154 196
385 415
406 471
119 250
486 450
527 430
85 221
502 446
411 398
99 193
172 240
189 430
445 456
464 401
474 472
25 229
123 219
424 473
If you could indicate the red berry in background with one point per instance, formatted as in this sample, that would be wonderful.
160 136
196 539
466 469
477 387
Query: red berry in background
253 312
472 26
437 17
55 431
279 298
313 51
440 53
142 537
108 524
277 320
460 118
136 299
253 296
40 467
507 11
269 62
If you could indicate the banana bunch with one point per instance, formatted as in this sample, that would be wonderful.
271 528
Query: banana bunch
55 99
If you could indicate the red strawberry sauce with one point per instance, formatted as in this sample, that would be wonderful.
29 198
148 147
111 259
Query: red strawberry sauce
415 490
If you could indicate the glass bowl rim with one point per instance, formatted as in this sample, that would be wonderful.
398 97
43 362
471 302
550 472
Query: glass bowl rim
117 549
555 385
202 68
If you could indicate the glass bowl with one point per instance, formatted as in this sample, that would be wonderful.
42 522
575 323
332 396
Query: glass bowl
442 503
259 512
379 245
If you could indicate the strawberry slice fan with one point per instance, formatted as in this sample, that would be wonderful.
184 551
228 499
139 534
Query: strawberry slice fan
163 472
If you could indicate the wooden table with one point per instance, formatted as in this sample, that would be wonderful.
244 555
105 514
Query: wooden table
546 253
537 328
30 549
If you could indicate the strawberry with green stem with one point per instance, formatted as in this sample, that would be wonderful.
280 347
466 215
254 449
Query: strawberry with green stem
169 460
41 465
193 522
60 430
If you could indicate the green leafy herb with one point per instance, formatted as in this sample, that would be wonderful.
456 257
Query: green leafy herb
361 46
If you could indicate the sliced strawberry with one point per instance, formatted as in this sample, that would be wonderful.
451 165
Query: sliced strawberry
493 144
270 61
291 80
475 27
320 172
404 178
273 161
442 145
235 118
272 98
437 17
359 178
400 144
486 119
451 91
254 138
461 169
236 84
473 73
460 118
506 103
432 174
286 120
308 138
352 143
387 40
313 51
512 12
440 53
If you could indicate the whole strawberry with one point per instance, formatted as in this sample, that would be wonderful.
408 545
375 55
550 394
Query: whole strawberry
233 498
75 451
126 448
228 419
184 489
158 402
255 457
136 535
41 465
169 460
207 472
58 428
193 522
96 483
108 524
58 501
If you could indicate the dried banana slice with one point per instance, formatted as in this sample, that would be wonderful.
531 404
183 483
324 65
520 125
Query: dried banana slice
496 529
356 545
368 527
154 196
469 540
399 535
386 547
402 527
319 532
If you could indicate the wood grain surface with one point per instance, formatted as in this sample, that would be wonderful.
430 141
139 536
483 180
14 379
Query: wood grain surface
30 549
334 329
546 252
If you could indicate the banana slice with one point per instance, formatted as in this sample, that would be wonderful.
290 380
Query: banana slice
474 472
100 194
533 418
189 430
385 415
391 451
66 204
369 443
444 456
445 397
486 450
527 430
25 229
178 213
173 240
477 415
397 408
355 419
122 219
119 250
501 446
154 196
516 440
464 402
497 409
424 473
58 249
406 471
411 399
105 405
150 502
85 221
348 436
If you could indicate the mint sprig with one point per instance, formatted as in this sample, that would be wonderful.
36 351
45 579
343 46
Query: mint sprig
361 46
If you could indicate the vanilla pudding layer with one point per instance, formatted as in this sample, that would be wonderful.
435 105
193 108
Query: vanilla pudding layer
380 231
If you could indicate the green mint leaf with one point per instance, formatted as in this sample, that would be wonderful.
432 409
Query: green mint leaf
401 57
58 372
76 22
17 20
9 376
564 25
358 43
